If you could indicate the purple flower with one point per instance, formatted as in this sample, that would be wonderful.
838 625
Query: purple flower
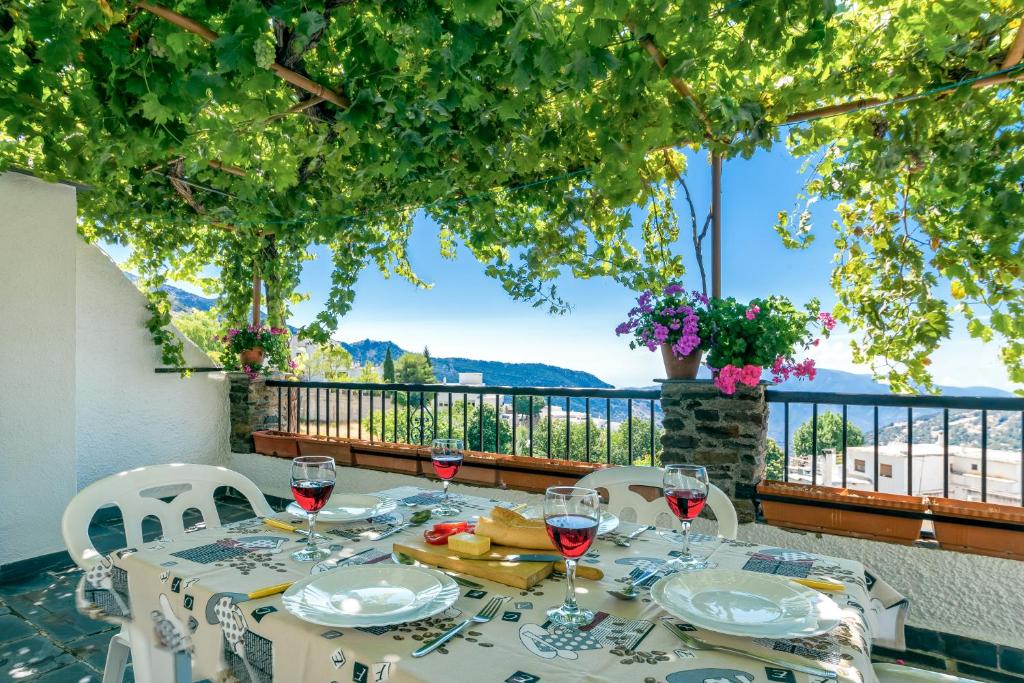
674 289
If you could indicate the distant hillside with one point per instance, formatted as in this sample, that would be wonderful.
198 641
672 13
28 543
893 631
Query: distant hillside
181 301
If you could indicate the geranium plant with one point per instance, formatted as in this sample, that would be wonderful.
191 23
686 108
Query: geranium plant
273 341
672 317
744 340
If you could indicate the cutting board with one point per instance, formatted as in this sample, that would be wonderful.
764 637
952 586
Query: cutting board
520 575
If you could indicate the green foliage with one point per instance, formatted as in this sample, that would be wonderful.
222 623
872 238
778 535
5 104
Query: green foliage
388 368
414 368
532 135
328 361
774 462
759 332
523 407
406 423
830 435
273 341
369 374
204 330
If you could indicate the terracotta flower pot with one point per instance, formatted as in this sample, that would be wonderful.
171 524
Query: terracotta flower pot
966 533
865 518
680 368
253 356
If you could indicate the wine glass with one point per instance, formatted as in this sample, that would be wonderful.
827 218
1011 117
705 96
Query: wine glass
571 516
313 478
446 456
686 491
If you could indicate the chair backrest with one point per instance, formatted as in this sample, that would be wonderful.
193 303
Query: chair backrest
631 506
135 493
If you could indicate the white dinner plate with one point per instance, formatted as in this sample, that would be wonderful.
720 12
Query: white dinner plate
348 507
749 604
608 523
371 595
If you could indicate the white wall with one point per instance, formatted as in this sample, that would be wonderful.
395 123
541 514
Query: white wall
37 345
126 414
968 595
79 398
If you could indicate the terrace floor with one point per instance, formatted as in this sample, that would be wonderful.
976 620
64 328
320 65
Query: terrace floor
43 637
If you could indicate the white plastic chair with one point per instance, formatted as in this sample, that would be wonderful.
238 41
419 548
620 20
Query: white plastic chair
895 673
630 505
135 493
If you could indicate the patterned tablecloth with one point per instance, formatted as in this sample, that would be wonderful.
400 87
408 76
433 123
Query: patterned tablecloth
183 589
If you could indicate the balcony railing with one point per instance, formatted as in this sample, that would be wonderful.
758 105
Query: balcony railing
916 465
616 426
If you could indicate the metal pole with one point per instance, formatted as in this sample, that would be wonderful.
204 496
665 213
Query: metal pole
716 224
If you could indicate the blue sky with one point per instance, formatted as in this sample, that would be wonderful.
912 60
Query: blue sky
467 314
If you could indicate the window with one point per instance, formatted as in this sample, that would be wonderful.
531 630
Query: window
858 466
974 467
885 470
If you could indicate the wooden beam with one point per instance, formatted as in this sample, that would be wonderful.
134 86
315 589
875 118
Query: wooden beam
255 294
1016 51
295 109
227 168
207 34
680 86
716 225
857 105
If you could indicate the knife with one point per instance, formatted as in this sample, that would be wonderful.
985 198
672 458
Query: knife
582 571
820 585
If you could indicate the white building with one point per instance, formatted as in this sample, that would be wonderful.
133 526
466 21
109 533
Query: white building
468 379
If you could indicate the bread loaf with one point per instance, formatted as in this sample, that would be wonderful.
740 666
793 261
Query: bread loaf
505 527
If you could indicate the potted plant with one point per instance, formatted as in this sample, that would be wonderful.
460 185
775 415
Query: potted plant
981 528
258 349
745 340
842 512
670 321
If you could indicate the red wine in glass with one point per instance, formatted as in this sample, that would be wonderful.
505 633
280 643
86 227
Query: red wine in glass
686 503
447 466
571 534
312 494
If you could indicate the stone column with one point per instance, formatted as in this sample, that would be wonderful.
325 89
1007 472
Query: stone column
726 434
251 410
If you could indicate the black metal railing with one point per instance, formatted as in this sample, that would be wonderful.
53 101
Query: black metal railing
885 417
618 426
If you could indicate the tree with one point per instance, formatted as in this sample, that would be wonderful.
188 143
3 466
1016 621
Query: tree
775 461
388 369
426 355
204 330
531 137
414 368
523 407
830 435
369 374
329 361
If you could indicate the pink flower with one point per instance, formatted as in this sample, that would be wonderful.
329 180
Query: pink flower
815 342
827 320
292 364
752 312
750 375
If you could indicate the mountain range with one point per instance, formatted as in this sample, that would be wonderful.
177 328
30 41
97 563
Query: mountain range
892 421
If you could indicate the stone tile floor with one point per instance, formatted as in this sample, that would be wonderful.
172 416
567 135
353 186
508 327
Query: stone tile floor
43 638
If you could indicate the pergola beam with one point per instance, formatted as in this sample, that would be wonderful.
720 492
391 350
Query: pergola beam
1016 52
209 35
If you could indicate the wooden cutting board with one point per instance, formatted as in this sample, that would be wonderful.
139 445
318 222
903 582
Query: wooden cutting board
520 575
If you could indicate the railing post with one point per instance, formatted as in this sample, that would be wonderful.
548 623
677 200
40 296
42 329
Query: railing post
252 407
726 434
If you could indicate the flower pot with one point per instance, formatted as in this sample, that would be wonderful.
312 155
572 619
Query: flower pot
280 444
843 512
252 356
958 526
680 368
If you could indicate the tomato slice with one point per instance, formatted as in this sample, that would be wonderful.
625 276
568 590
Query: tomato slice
440 533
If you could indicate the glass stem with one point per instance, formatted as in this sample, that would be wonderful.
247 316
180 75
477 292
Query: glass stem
310 543
686 537
570 586
444 498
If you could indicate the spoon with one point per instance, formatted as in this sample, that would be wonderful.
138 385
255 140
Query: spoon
624 542
636 578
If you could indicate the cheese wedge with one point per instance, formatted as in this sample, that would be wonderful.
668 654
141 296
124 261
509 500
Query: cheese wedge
505 527
469 544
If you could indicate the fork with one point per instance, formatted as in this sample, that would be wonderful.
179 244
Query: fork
695 643
625 542
482 617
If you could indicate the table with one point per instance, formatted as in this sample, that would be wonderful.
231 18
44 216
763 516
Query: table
173 590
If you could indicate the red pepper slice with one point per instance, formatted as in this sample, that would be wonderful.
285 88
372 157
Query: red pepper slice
440 533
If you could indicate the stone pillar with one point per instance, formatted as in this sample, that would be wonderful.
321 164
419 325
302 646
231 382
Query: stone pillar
726 434
251 410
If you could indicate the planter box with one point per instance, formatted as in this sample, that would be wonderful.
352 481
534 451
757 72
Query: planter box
275 443
970 535
843 512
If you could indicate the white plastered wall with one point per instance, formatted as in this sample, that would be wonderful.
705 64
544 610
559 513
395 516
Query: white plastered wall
79 398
